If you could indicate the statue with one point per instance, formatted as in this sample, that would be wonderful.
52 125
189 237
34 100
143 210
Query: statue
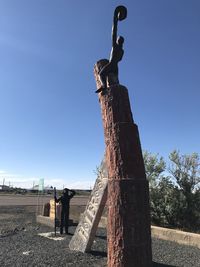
65 201
117 51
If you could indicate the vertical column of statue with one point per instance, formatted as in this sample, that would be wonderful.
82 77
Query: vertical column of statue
129 236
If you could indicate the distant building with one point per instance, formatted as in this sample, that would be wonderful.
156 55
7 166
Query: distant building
35 188
47 189
5 188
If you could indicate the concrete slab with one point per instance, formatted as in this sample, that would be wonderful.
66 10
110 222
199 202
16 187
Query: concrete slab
51 235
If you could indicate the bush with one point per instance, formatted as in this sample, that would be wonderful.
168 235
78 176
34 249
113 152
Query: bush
174 198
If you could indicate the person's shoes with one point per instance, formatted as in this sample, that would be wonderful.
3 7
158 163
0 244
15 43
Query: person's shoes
67 233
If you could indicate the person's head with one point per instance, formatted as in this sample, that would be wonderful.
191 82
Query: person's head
65 191
120 40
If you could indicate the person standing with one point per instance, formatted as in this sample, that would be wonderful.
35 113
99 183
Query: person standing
64 200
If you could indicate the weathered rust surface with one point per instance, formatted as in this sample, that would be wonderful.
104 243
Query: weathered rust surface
129 237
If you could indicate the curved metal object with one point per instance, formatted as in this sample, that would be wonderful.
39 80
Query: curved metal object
120 12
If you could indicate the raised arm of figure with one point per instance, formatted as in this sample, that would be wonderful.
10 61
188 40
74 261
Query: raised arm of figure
72 193
114 28
120 13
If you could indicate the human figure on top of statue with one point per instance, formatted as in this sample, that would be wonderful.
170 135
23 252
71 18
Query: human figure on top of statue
116 54
65 204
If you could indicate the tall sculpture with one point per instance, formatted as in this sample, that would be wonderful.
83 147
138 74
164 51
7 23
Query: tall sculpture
129 236
117 51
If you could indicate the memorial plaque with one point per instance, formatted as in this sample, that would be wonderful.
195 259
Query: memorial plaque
86 229
52 210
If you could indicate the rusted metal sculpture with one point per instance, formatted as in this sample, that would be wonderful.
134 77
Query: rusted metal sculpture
129 236
117 51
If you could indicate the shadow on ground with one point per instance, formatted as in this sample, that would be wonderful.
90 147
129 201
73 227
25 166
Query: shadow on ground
101 237
98 253
104 255
155 264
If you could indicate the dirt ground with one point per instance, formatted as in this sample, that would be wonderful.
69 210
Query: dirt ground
20 244
34 200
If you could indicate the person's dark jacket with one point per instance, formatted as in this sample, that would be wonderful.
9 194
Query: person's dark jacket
65 199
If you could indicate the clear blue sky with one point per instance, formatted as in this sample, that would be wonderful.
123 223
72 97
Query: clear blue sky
50 121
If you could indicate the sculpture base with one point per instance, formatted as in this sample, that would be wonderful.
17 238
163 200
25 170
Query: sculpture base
129 238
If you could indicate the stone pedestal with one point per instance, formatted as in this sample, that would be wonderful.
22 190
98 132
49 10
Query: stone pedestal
129 236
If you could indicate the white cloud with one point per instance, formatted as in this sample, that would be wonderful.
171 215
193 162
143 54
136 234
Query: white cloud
5 174
16 180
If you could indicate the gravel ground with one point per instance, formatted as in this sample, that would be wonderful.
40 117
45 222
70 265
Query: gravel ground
21 246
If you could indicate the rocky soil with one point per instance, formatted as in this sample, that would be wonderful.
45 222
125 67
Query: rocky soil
20 245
